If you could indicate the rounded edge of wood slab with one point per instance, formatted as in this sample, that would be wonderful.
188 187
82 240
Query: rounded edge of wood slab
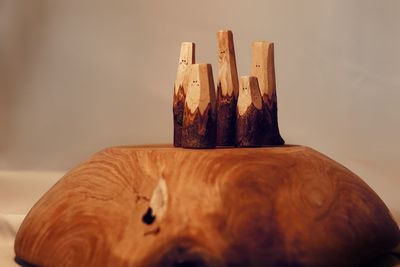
274 206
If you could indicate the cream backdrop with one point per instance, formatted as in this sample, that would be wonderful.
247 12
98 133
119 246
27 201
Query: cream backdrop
77 76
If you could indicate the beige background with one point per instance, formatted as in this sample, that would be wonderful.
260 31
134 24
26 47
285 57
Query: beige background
78 76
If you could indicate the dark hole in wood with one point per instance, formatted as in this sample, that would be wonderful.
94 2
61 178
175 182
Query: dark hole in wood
148 217
188 264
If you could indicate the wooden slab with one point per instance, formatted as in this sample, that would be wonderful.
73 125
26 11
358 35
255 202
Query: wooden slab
164 206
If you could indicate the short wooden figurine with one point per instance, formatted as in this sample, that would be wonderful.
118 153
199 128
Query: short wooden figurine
198 129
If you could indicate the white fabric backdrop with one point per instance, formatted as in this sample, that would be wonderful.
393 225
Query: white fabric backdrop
19 191
77 76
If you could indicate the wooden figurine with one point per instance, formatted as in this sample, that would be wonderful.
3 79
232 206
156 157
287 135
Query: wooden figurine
249 113
263 67
186 58
227 89
198 129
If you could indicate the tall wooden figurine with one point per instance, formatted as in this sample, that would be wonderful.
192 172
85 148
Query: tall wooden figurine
186 58
198 129
227 89
263 67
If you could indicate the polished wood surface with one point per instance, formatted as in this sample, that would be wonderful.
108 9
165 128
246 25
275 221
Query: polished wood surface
164 206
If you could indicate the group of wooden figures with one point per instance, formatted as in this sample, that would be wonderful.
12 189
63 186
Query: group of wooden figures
241 113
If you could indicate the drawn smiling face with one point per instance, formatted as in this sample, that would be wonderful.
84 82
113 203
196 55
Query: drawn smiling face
200 88
227 73
183 61
186 58
195 83
222 56
263 67
183 64
193 92
249 94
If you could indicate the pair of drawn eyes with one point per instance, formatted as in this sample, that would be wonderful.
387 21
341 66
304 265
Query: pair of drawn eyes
183 61
244 88
195 82
257 66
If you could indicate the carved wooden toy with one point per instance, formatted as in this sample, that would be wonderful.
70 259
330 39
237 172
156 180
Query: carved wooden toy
263 67
198 129
249 115
227 89
186 58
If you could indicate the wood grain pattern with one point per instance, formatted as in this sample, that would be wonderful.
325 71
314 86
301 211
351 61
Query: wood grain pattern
263 67
227 89
186 58
276 206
